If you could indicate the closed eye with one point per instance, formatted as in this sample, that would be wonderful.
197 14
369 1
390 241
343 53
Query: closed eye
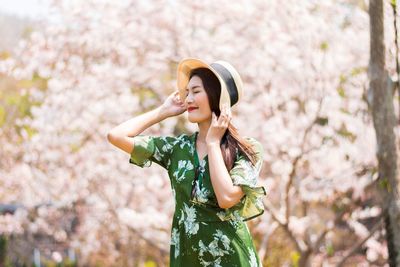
194 92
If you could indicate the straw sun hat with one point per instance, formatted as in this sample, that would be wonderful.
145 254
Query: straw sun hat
229 78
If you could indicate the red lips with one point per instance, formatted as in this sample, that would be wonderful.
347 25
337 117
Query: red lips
191 109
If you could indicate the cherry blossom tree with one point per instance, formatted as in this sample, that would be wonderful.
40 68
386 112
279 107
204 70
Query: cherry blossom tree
304 68
384 121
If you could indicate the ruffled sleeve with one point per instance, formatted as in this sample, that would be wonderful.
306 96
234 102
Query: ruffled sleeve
148 149
245 174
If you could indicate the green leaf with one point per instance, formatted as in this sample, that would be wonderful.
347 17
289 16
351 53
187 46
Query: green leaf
357 71
321 121
385 185
341 91
36 81
326 139
2 116
346 133
75 148
345 111
342 78
30 131
330 250
324 46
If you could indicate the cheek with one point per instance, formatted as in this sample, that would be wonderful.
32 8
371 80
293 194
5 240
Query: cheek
202 101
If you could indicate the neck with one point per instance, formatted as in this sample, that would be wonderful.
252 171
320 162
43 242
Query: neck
203 129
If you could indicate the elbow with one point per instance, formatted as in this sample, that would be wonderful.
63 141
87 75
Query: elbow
228 200
112 137
226 203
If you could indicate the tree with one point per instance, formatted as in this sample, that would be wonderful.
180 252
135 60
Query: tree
382 90
304 74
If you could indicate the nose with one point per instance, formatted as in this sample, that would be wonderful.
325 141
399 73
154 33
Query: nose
189 99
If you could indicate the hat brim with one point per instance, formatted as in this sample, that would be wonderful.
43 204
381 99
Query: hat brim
184 69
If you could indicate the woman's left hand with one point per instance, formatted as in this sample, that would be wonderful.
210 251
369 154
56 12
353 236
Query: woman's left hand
218 125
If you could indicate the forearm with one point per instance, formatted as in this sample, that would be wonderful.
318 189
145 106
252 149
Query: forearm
227 194
138 124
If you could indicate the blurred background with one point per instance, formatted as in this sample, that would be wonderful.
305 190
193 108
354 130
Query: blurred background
71 70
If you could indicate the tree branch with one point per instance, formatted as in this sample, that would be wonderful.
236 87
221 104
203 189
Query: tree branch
358 245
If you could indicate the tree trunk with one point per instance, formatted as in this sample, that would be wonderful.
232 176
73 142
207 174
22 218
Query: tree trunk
381 100
3 250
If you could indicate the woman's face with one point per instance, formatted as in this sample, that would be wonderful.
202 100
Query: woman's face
196 101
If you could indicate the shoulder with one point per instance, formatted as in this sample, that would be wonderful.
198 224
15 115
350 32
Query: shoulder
173 141
256 145
171 138
251 140
257 148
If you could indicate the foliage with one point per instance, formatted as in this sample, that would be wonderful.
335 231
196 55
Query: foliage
303 64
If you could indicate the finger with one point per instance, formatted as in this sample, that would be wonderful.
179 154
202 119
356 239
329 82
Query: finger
229 115
177 96
228 111
214 118
223 113
223 124
178 99
220 118
218 122
226 121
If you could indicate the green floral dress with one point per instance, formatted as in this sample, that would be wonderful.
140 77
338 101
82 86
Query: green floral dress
203 234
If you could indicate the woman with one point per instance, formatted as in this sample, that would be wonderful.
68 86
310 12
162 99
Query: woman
213 172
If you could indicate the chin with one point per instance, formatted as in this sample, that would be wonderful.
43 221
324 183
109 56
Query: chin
193 120
197 119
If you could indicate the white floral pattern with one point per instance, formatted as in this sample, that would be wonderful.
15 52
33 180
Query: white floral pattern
185 142
214 263
183 167
215 249
245 173
175 241
253 258
188 219
194 225
202 194
235 220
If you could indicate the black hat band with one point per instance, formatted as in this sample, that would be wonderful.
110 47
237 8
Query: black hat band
229 81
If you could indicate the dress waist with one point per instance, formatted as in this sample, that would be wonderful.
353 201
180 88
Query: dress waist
198 212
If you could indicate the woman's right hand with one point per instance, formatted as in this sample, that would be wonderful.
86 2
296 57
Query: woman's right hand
173 106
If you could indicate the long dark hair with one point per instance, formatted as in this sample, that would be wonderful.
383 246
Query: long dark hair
231 143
